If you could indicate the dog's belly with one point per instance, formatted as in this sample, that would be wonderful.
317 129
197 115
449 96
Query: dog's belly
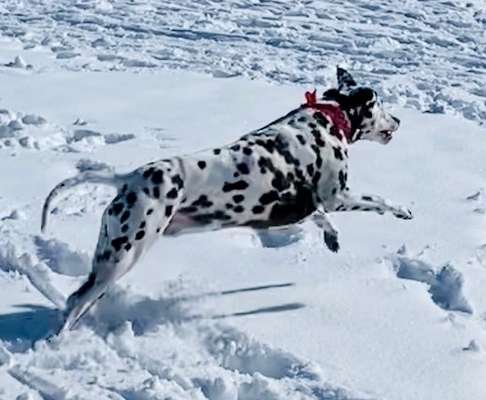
285 211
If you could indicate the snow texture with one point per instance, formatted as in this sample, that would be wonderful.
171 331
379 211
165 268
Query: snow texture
426 54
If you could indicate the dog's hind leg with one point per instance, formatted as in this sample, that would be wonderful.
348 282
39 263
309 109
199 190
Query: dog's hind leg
122 241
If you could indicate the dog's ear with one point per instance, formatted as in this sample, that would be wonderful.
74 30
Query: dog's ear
346 83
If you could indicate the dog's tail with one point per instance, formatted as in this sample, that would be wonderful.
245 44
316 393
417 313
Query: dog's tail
105 176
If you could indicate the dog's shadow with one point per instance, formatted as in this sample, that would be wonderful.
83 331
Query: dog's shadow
29 324
33 322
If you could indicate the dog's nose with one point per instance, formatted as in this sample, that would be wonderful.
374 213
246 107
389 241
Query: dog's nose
396 120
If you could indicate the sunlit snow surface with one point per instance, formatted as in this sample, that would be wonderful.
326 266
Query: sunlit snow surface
399 313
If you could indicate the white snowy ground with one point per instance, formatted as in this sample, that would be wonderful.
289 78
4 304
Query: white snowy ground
399 313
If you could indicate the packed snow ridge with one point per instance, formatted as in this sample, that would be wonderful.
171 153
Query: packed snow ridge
430 55
31 131
445 284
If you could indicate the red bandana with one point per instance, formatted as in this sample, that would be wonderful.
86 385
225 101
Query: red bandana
332 112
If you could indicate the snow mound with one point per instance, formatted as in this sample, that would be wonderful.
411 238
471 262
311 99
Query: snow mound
34 132
445 283
38 273
61 259
18 62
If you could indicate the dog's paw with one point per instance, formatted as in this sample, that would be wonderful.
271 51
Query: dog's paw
331 240
403 213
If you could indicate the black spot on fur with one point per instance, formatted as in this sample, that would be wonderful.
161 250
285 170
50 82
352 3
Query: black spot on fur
128 246
148 172
150 211
279 182
117 243
238 185
310 169
268 145
217 151
172 193
157 177
124 216
146 191
104 257
177 180
265 163
338 153
188 210
168 211
343 177
320 119
318 138
294 209
366 198
269 197
124 188
247 151
142 225
301 139
238 198
210 217
243 168
258 209
335 132
238 209
117 208
202 201
124 228
131 199
156 192
201 164
235 147
139 235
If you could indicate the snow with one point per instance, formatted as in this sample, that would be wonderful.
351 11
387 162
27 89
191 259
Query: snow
399 313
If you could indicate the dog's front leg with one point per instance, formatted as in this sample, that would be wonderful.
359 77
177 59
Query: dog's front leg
321 219
347 201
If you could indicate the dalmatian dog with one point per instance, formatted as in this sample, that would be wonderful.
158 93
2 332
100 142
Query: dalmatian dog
293 169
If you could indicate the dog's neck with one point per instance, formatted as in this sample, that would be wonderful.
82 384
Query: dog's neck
339 117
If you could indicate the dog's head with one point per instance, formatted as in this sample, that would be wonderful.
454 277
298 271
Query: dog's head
369 119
